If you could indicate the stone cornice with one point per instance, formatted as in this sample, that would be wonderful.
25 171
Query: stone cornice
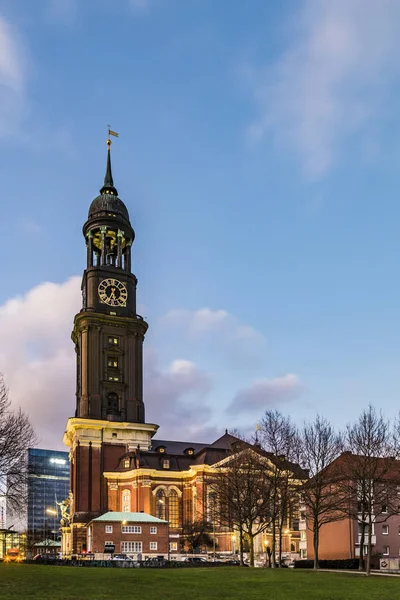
74 424
157 474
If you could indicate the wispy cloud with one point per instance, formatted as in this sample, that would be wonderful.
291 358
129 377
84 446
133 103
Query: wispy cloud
12 79
237 343
176 397
206 320
331 83
139 5
266 393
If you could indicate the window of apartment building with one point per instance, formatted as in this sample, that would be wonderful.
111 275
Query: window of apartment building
384 508
153 545
303 535
126 501
366 528
385 529
173 546
386 551
112 361
113 340
131 529
131 546
109 543
165 463
303 515
126 463
153 530
108 529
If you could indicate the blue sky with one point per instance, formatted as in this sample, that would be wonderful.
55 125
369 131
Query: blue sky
258 156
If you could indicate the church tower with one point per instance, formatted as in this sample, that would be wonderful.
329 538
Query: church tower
108 335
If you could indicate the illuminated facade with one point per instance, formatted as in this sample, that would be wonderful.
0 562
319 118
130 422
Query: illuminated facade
48 483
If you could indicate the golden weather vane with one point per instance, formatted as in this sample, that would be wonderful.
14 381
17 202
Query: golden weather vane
111 132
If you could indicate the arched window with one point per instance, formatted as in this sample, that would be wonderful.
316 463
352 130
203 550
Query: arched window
112 402
173 508
126 501
161 504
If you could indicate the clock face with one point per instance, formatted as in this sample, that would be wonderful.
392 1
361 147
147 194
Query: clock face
113 292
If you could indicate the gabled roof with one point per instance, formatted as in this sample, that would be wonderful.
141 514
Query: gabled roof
225 442
173 447
347 464
129 517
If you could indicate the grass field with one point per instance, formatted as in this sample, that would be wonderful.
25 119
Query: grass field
39 582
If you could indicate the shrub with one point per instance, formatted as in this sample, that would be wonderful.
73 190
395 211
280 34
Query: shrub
346 563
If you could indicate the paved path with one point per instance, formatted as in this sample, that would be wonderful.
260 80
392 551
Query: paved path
356 572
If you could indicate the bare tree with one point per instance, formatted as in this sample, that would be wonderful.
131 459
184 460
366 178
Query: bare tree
372 474
243 495
320 445
279 438
197 534
16 436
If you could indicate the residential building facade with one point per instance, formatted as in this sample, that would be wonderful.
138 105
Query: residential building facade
138 535
341 538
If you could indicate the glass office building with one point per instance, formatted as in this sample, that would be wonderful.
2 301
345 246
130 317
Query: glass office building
48 483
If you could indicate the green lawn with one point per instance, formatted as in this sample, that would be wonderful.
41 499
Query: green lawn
41 582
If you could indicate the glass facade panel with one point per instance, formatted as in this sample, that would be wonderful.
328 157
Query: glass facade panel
48 483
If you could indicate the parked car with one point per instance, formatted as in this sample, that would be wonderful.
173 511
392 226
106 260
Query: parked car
121 557
194 559
291 565
45 557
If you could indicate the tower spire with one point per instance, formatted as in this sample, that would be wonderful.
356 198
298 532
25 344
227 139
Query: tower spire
108 187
